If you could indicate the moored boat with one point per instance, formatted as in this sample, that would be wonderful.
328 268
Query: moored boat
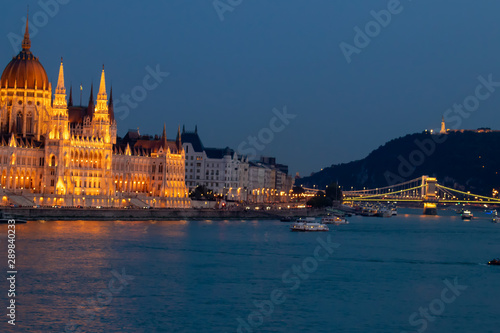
336 212
306 219
334 220
384 212
5 218
467 215
368 211
308 226
394 211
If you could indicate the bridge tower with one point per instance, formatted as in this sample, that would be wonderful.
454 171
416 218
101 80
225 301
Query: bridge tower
429 195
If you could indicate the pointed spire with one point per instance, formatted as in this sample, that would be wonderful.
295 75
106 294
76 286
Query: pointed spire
26 41
60 80
111 109
102 87
178 139
60 95
91 98
183 129
101 106
12 140
196 129
90 108
164 137
111 96
70 103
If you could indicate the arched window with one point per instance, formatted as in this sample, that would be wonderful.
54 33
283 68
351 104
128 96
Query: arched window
53 161
19 123
29 123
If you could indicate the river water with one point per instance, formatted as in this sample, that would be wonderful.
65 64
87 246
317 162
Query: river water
402 274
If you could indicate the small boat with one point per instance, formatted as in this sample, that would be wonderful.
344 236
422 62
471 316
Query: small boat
368 211
394 211
494 262
383 212
495 218
467 215
5 218
334 220
308 226
306 219
336 212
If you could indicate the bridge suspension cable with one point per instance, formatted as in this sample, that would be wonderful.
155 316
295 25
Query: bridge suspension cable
381 189
390 193
467 194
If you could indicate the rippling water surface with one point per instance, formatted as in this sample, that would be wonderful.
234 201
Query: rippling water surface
220 276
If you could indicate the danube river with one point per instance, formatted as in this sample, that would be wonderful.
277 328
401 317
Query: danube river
402 274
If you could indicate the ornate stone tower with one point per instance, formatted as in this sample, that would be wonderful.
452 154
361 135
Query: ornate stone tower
59 127
443 126
100 121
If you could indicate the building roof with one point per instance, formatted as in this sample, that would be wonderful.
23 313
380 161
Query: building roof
219 153
194 140
145 145
155 145
132 135
25 70
28 142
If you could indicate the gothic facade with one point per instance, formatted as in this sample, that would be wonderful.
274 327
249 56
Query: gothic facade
53 153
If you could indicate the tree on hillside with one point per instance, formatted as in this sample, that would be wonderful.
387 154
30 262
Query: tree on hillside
334 192
320 200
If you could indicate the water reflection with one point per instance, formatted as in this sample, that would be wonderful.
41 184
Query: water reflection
199 276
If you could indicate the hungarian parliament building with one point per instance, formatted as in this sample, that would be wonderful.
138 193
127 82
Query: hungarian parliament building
53 153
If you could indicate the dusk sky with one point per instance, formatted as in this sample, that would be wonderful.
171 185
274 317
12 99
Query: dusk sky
227 76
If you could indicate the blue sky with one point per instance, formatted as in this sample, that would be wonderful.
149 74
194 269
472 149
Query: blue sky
228 75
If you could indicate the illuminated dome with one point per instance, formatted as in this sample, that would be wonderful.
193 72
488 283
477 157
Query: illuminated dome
25 69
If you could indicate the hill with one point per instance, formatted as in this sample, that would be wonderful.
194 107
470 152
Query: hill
466 160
